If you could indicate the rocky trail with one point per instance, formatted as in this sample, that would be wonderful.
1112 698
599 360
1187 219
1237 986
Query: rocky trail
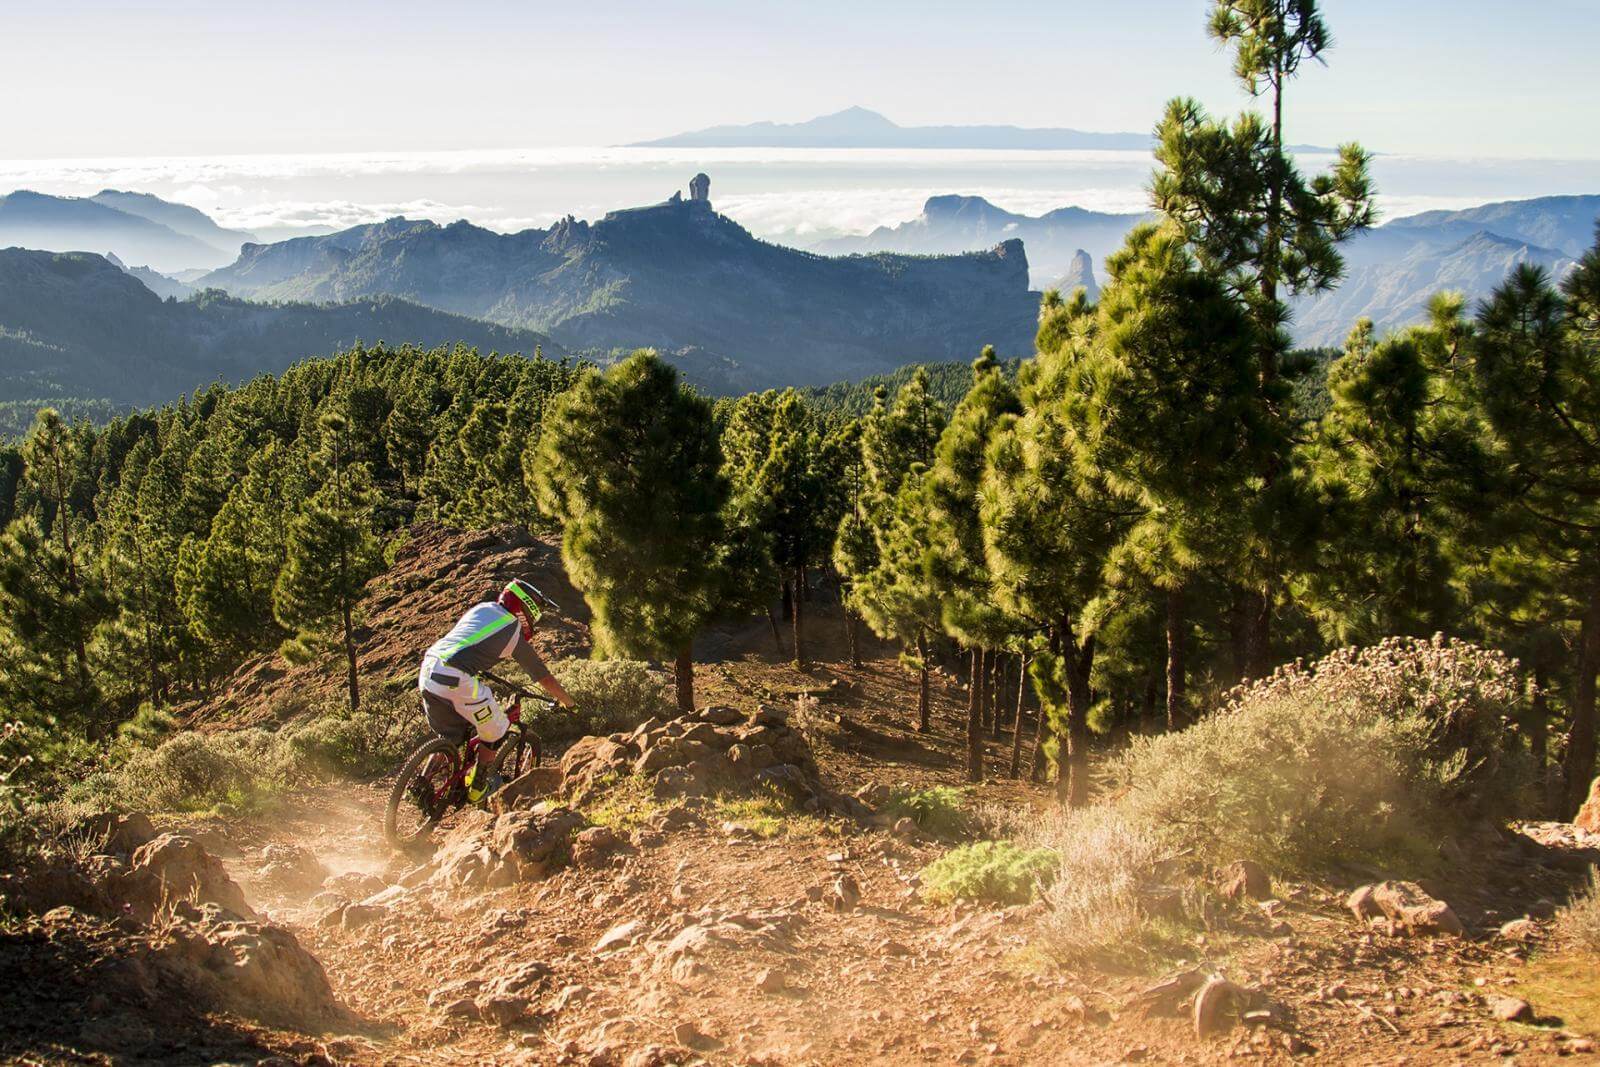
701 930
731 888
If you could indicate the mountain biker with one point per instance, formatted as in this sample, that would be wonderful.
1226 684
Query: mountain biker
456 702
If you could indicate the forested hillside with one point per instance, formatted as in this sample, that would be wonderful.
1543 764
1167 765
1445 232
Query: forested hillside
73 327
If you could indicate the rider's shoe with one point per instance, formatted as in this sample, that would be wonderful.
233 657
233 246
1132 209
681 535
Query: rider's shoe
481 784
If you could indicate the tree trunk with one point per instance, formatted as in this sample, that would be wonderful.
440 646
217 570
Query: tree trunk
1074 785
1580 743
777 638
683 669
350 658
1539 724
1016 724
975 717
1175 659
852 636
1257 633
1152 689
997 681
799 599
923 723
1539 742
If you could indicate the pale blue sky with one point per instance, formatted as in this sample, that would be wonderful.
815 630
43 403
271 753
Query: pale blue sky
84 79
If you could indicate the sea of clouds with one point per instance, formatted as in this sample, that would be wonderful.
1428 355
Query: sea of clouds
793 195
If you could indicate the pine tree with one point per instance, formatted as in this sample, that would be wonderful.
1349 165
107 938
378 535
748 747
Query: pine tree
1162 410
1535 362
49 603
1047 529
1398 455
226 580
331 553
629 464
880 544
1255 222
955 559
774 460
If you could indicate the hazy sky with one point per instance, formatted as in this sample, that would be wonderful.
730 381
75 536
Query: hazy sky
103 78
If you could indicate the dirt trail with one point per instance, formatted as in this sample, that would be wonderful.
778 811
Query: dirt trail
778 975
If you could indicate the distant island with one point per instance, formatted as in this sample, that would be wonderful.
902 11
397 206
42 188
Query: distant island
858 127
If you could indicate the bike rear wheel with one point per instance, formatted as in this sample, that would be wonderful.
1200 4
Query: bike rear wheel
419 798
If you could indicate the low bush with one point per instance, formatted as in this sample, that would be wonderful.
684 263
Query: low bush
998 871
1373 756
372 741
937 811
611 695
1580 920
189 771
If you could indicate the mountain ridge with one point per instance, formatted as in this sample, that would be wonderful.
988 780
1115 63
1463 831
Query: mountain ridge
677 276
859 127
75 325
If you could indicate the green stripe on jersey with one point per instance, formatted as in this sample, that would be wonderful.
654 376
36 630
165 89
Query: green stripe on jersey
480 633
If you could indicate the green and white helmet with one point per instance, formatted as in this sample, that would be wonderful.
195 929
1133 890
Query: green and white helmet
525 599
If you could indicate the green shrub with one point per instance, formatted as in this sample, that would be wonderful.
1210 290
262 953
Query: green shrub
193 772
999 871
364 743
936 811
611 695
1371 755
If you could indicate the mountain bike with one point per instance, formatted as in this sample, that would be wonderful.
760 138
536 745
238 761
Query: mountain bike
433 780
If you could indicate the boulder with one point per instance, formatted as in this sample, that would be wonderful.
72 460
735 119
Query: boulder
595 845
1510 1009
527 787
845 893
1520 930
688 781
261 970
534 841
354 884
789 780
1408 907
171 868
706 734
1588 817
1363 904
291 869
116 835
620 936
770 715
1244 880
720 715
588 751
750 759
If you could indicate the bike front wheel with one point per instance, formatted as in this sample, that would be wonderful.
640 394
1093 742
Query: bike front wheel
518 755
420 797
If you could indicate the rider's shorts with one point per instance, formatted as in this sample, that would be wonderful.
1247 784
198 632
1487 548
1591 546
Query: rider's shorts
457 704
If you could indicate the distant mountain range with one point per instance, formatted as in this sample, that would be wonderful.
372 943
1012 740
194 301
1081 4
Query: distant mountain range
951 224
857 127
137 227
733 311
73 326
736 312
1393 269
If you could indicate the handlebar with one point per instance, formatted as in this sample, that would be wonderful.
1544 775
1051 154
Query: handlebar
517 689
